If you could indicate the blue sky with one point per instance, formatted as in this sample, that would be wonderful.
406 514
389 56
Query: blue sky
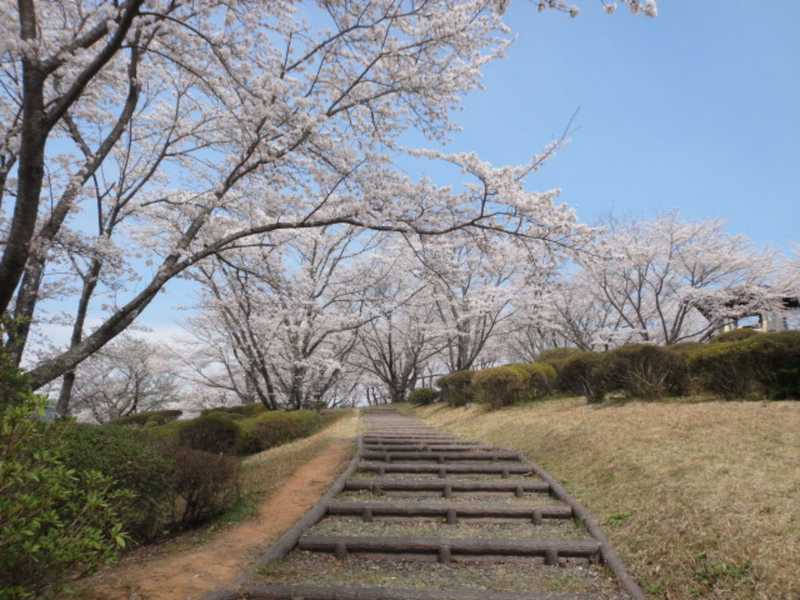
696 110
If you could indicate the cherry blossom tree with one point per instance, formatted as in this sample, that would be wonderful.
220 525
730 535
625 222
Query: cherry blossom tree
290 116
284 125
284 316
128 376
668 280
395 348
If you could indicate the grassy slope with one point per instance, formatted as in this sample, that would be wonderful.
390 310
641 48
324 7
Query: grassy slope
702 500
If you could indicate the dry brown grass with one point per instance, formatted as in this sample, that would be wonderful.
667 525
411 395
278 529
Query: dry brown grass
701 499
265 472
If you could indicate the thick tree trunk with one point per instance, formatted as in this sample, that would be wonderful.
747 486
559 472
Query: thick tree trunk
30 168
397 392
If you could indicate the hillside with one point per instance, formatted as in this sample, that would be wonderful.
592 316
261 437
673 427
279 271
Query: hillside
701 499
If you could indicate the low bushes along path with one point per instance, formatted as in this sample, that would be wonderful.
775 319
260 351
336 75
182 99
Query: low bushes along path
421 515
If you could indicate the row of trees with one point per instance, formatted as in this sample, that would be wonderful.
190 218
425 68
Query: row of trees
251 147
326 317
142 139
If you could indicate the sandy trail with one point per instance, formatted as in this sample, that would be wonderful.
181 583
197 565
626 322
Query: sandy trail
186 574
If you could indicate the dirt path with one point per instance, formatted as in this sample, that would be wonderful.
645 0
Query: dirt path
188 573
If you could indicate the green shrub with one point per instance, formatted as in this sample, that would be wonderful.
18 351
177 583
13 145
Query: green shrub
687 349
206 484
724 369
14 388
776 363
737 335
211 433
149 418
558 358
763 365
539 379
555 354
647 371
54 521
456 388
586 374
133 461
499 386
236 412
423 396
279 427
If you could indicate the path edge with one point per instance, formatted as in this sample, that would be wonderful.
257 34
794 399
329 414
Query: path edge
288 540
607 552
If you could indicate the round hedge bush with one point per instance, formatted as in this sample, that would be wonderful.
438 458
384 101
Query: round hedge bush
647 372
279 427
423 396
586 374
456 388
499 386
211 433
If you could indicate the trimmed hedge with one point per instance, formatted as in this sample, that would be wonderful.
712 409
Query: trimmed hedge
498 386
129 458
539 379
213 433
149 418
558 359
586 374
275 428
457 388
423 396
236 412
765 365
510 384
737 335
753 365
647 372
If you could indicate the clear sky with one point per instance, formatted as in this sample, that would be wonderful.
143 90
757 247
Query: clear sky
696 110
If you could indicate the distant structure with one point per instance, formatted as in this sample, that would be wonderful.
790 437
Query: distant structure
746 310
766 320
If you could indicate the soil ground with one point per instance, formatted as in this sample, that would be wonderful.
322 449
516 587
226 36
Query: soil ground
509 575
293 478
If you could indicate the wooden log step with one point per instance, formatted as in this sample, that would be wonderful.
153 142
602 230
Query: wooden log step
551 550
441 456
406 430
416 443
309 592
411 437
444 469
411 440
427 448
451 512
445 485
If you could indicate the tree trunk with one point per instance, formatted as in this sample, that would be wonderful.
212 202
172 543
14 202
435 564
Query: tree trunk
89 285
30 169
65 395
24 308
